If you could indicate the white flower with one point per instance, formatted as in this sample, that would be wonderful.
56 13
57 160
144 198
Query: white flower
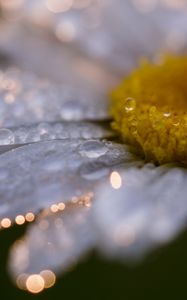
60 163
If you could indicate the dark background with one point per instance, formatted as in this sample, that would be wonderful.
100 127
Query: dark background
162 276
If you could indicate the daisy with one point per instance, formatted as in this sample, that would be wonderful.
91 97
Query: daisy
61 165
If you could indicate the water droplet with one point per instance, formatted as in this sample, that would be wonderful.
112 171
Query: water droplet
93 149
166 114
21 135
176 121
130 104
33 135
44 130
6 137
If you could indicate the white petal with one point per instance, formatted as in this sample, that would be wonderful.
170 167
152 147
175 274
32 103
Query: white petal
34 176
147 209
27 99
54 242
117 32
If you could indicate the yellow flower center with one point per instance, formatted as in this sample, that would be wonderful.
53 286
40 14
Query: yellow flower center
150 110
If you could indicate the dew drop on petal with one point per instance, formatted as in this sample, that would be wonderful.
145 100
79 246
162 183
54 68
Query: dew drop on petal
6 137
92 149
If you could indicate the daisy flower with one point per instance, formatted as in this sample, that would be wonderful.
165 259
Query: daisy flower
81 181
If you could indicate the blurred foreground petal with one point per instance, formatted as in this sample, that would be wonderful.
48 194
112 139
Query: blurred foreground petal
147 210
116 32
53 243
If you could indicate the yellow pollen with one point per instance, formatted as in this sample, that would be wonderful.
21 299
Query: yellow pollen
150 110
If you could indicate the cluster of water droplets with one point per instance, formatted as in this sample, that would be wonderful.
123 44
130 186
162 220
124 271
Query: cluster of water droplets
53 131
27 99
33 109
